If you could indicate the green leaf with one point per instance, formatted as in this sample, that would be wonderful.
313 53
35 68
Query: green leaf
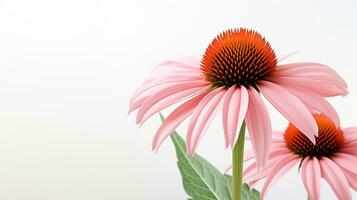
201 180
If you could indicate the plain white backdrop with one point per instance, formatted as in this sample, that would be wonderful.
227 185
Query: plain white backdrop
68 68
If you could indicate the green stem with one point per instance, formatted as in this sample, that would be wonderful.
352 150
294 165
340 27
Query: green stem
237 165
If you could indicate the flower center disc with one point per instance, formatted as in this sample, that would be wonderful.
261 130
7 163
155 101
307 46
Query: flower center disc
238 57
328 142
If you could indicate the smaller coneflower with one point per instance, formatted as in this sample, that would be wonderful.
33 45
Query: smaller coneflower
333 158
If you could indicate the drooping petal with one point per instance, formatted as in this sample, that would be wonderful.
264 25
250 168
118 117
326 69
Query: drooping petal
184 67
291 107
234 109
311 174
316 102
202 116
351 179
190 63
287 56
167 97
279 170
346 161
194 61
278 136
149 89
137 101
320 87
313 71
225 108
166 80
259 127
334 176
350 134
252 174
175 119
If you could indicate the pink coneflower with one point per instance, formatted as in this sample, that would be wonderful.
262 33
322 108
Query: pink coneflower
333 157
237 66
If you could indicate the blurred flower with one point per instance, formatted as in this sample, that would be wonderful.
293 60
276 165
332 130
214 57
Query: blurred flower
333 157
237 66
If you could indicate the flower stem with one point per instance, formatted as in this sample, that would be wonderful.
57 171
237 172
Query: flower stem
237 165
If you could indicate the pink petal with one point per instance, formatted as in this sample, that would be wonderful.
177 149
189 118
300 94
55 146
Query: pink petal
320 87
311 174
167 97
287 56
291 107
194 61
252 174
279 170
316 102
226 101
334 176
314 71
137 101
259 127
168 80
278 136
234 109
350 149
202 116
350 134
175 119
173 68
346 161
186 63
351 179
149 89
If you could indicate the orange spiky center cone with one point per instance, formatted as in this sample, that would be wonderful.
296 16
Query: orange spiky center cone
329 141
238 57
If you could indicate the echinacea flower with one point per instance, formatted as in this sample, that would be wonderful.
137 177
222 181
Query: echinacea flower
237 66
333 158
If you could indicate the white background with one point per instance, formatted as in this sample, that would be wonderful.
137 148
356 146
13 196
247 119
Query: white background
68 68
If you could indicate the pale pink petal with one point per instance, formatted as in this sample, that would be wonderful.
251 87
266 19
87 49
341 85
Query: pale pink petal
276 153
346 161
194 61
311 174
291 107
172 68
351 179
279 170
259 127
167 97
320 87
314 71
150 89
278 135
350 147
225 109
202 116
234 110
334 176
137 101
350 134
287 56
252 173
175 119
167 80
316 102
186 63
